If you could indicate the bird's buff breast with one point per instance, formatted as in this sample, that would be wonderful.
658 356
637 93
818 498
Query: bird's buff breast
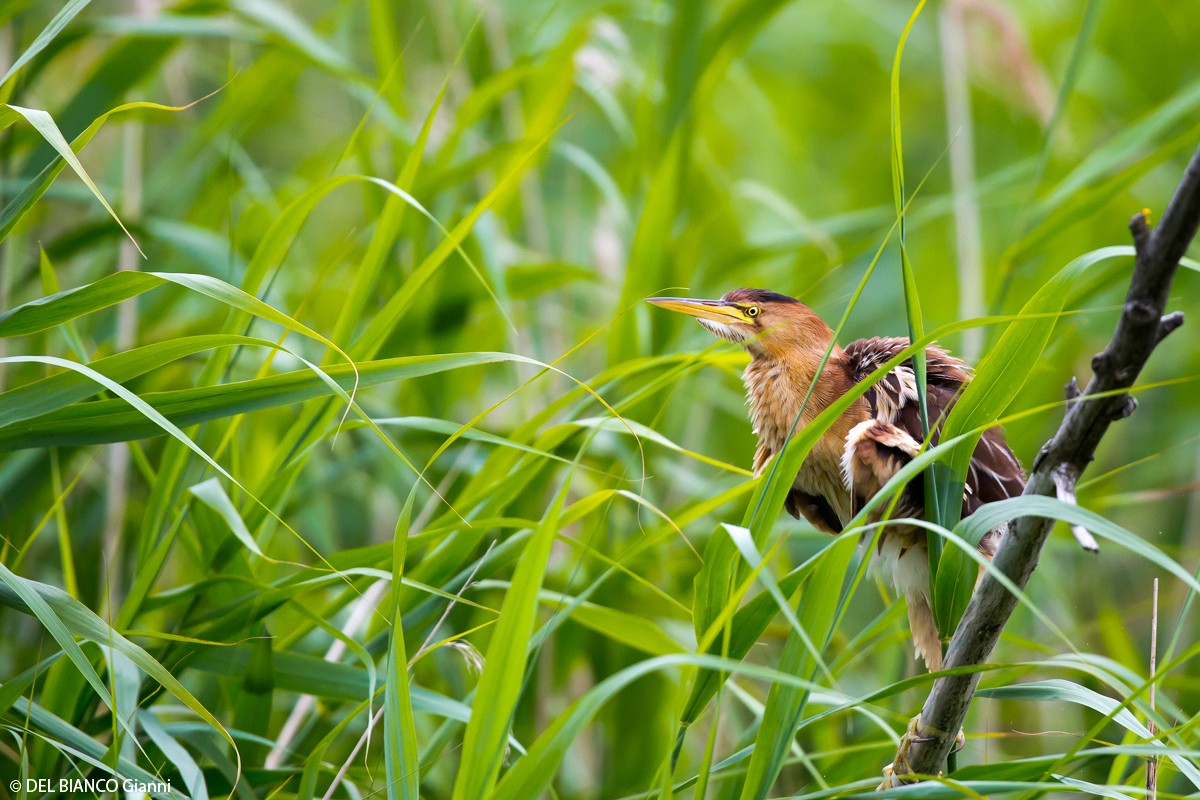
774 404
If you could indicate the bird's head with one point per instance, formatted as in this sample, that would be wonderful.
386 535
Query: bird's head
768 324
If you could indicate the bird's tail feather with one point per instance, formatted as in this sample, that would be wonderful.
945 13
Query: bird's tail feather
905 560
924 631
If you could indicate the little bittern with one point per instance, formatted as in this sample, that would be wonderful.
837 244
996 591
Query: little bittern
868 444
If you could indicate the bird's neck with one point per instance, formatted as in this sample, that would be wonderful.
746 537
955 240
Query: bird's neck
776 386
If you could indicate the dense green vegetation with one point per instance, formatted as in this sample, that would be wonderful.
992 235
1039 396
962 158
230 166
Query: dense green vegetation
394 337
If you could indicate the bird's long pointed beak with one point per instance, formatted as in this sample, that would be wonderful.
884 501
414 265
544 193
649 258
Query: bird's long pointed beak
715 310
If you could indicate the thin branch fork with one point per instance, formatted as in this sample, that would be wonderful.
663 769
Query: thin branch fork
1059 464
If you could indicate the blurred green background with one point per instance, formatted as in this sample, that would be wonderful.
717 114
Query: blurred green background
548 164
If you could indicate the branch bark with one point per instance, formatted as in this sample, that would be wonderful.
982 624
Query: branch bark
1059 464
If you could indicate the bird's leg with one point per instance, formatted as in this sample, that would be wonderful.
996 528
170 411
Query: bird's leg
894 774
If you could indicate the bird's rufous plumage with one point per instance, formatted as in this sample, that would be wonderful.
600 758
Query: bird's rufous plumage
872 440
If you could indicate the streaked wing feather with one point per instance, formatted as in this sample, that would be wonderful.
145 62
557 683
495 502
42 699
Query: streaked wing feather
994 474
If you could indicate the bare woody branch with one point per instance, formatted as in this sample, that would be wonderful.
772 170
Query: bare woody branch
1061 461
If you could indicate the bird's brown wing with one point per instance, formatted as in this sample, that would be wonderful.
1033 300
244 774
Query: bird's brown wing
878 447
800 504
994 473
864 356
815 509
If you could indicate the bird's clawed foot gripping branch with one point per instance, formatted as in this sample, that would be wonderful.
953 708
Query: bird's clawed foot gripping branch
894 774
1141 326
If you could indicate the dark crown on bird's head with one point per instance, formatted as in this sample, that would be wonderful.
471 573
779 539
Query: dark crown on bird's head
746 295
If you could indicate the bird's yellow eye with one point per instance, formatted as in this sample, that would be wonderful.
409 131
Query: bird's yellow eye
752 311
